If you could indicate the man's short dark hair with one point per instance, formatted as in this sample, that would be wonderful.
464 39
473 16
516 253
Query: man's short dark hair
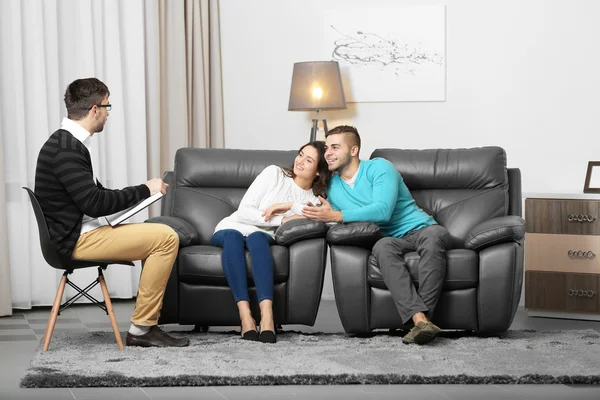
82 94
350 132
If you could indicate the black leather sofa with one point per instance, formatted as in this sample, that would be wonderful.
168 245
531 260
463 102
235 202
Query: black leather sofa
473 195
206 186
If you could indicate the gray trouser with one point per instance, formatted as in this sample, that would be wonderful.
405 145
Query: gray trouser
430 243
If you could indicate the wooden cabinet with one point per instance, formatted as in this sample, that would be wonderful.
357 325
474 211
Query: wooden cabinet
562 216
557 291
562 257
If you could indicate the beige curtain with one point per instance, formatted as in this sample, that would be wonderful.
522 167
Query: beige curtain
5 295
183 79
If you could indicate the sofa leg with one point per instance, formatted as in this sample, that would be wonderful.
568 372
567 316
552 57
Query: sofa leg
201 328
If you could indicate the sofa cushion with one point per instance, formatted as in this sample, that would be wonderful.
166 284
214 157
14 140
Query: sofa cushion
462 270
477 168
210 183
460 188
203 208
459 211
362 234
186 232
225 168
202 265
299 229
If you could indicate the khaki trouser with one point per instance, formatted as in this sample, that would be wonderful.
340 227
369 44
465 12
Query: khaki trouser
155 243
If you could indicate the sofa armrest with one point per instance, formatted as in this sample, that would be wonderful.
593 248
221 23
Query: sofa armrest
349 266
166 204
186 232
308 260
495 231
361 234
500 285
299 229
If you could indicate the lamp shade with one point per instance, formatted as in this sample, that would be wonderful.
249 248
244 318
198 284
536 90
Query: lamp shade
316 85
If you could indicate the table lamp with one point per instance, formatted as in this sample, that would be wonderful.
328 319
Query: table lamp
316 86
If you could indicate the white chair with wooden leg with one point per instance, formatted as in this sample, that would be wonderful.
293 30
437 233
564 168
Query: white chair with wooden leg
69 265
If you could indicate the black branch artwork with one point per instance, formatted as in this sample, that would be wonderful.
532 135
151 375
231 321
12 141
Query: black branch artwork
366 49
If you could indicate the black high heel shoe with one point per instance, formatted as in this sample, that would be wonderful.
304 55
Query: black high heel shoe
251 335
268 337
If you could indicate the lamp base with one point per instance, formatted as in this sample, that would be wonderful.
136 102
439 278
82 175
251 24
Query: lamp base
315 129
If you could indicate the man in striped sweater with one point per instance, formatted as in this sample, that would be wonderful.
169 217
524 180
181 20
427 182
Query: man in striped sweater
72 199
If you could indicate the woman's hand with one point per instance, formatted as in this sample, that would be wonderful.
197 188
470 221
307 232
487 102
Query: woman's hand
277 208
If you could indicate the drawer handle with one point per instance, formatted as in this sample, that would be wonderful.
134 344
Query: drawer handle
581 254
581 218
581 293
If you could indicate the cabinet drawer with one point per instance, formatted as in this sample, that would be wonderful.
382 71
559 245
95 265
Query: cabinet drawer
562 253
557 291
575 217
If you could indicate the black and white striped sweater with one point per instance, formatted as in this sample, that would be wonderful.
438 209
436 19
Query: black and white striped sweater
65 188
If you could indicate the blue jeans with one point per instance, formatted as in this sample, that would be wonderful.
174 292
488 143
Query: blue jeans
234 262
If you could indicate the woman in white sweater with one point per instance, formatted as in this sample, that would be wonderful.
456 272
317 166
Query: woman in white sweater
276 196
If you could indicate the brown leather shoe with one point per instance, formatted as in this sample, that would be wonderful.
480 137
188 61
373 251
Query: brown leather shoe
421 333
155 337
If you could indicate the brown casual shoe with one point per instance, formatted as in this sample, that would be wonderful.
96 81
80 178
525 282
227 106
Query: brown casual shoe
421 333
155 337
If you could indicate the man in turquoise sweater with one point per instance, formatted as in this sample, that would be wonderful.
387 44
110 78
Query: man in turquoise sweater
374 191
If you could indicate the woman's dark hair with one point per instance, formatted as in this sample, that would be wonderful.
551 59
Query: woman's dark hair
321 181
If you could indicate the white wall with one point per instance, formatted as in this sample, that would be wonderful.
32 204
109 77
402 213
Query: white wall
521 74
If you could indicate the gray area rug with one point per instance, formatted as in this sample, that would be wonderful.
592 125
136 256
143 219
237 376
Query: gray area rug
93 359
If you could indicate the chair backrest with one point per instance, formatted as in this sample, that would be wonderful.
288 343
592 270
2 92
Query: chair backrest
49 250
210 183
459 187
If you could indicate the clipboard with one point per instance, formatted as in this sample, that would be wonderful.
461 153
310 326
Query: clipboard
117 218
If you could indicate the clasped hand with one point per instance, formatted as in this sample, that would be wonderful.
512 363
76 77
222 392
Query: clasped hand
324 212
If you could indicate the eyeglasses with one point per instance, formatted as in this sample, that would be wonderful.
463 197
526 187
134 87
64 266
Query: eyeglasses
107 106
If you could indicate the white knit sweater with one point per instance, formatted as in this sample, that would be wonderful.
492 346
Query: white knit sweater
270 186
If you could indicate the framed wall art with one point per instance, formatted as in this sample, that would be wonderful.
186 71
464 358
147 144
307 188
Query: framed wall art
389 54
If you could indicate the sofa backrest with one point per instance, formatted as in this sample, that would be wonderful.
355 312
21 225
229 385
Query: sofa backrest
460 188
210 183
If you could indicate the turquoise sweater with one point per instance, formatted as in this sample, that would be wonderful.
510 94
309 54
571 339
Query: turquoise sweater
380 196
